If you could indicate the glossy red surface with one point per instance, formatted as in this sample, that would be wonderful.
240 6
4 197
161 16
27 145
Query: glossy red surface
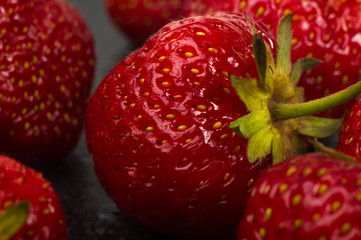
158 129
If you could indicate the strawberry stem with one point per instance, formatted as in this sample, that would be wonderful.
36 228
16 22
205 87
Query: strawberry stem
13 219
284 111
332 152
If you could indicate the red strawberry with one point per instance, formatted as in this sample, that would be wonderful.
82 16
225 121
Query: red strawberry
140 18
46 218
47 65
158 125
349 138
326 30
313 196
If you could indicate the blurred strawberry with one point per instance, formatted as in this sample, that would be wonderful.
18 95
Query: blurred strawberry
326 30
141 18
45 218
313 196
46 71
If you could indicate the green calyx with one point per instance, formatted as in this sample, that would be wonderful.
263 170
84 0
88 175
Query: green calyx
13 219
278 116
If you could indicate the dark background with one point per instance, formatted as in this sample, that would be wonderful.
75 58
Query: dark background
90 212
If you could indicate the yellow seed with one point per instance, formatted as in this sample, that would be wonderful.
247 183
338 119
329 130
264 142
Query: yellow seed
224 136
132 105
316 217
46 211
194 70
322 189
307 171
358 197
335 206
3 31
250 182
188 140
290 171
344 79
217 125
266 189
283 188
149 129
201 107
188 54
260 11
213 50
166 70
166 84
45 185
170 116
346 227
296 200
337 65
268 213
197 83
262 233
322 172
200 33
182 127
319 79
26 65
161 58
26 126
297 223
7 204
242 5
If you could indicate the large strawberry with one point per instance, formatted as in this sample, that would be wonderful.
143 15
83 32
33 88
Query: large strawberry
326 30
44 218
313 196
46 71
140 18
349 138
158 126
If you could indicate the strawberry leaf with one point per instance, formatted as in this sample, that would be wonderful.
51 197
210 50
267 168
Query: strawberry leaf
284 35
13 219
251 123
301 66
260 144
259 49
319 127
251 93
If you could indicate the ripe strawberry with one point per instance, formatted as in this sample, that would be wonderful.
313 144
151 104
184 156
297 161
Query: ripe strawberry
350 134
47 65
326 30
158 125
46 218
313 196
140 18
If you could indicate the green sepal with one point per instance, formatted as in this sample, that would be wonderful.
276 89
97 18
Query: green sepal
250 25
318 127
277 149
260 144
302 65
259 50
284 36
249 124
13 219
251 93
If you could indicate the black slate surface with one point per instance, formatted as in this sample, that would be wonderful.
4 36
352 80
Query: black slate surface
90 212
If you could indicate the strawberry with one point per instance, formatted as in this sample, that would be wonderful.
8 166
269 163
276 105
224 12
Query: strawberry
138 19
158 126
350 134
47 66
312 196
45 218
327 30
